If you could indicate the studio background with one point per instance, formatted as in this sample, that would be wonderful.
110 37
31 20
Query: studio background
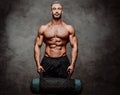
97 25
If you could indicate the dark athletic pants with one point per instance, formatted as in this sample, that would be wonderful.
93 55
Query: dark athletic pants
55 67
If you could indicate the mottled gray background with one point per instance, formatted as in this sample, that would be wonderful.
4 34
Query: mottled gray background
97 25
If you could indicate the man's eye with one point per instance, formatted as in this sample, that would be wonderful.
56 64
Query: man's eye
54 8
59 8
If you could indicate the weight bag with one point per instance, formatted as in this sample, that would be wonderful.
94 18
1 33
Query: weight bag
56 86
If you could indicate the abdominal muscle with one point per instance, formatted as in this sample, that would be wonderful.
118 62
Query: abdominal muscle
55 51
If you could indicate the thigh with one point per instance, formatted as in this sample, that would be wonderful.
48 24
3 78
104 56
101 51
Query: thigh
62 67
48 65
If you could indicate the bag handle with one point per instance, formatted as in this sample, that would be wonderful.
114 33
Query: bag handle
41 75
69 75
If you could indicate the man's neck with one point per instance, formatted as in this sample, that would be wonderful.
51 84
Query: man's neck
56 21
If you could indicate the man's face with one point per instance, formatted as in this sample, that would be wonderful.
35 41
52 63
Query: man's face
56 10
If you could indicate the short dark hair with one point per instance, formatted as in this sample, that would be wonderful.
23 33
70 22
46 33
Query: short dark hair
56 2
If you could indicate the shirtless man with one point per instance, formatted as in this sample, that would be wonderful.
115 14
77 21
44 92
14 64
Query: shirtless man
56 34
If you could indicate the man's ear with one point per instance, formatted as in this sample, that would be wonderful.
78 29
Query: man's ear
51 10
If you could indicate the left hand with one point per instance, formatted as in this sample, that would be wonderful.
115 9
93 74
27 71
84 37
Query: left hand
70 69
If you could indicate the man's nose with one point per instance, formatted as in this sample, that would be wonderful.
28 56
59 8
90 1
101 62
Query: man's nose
56 10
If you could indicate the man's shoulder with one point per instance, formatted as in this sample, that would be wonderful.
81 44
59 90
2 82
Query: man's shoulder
42 28
69 27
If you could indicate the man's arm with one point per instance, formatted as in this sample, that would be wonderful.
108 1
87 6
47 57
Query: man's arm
74 52
37 47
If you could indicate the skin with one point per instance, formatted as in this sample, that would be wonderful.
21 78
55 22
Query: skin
56 34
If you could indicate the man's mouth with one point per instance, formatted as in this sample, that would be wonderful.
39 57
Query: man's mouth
57 14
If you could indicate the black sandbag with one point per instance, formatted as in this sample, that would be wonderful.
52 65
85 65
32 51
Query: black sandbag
56 86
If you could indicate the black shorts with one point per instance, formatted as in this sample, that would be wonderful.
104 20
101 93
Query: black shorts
55 67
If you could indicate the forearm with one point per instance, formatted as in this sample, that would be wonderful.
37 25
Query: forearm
74 55
37 55
74 50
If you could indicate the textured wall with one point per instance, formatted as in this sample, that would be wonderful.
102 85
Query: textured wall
97 27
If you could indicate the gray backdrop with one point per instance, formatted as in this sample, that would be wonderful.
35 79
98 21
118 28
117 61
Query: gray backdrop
97 27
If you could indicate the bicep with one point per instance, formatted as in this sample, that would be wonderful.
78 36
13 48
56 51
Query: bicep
39 39
72 37
73 40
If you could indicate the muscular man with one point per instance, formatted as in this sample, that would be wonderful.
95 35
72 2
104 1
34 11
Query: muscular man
56 34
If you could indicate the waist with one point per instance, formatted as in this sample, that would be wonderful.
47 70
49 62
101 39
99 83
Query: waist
55 57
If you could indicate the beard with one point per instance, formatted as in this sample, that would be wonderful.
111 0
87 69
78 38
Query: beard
56 16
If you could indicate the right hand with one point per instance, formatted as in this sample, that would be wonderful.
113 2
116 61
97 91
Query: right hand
40 69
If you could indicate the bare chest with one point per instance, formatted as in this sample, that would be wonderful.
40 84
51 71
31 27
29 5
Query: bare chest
56 32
